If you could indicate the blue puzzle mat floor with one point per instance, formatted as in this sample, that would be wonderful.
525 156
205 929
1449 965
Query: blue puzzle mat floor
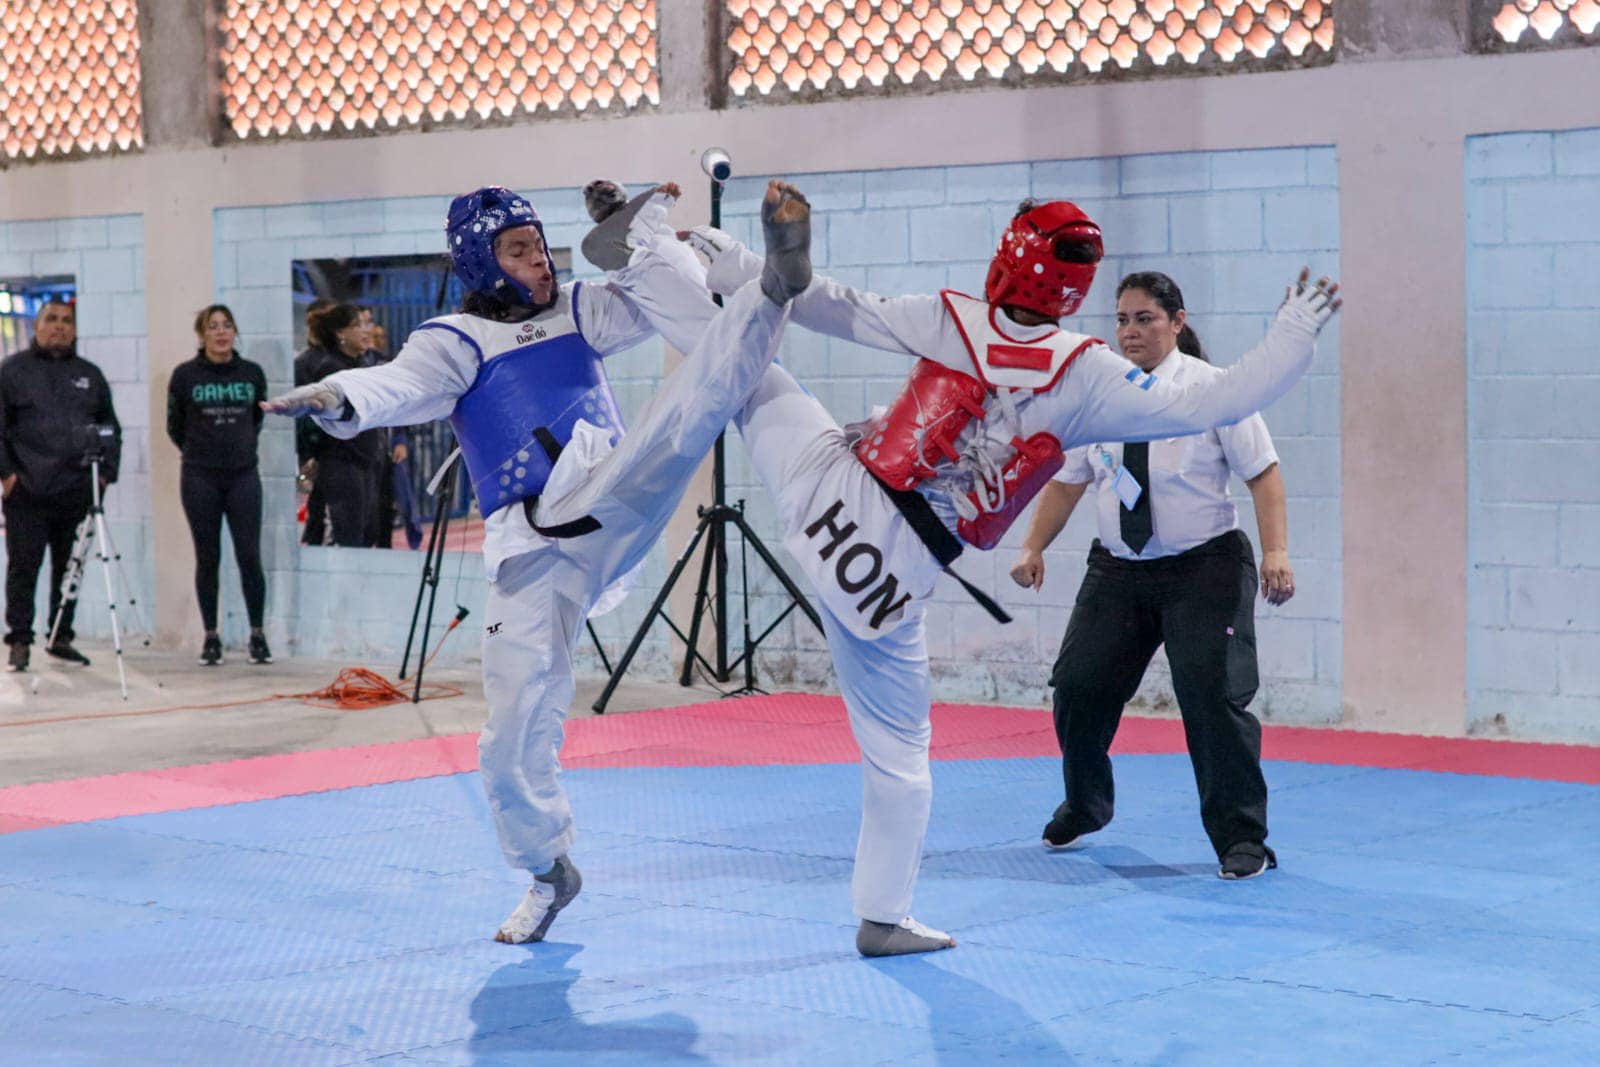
1417 918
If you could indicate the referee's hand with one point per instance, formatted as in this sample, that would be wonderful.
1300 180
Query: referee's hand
1277 577
1028 571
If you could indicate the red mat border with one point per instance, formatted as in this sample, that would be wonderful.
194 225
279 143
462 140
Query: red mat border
772 730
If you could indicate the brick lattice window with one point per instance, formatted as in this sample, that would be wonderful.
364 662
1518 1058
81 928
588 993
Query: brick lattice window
819 47
69 77
318 66
1516 25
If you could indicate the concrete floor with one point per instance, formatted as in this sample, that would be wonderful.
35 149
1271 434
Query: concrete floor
59 721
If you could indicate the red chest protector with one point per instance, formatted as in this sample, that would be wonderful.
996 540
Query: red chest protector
918 432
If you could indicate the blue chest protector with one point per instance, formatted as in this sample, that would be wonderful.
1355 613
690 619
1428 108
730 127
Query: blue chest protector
520 411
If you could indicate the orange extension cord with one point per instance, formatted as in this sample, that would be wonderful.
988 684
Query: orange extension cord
355 689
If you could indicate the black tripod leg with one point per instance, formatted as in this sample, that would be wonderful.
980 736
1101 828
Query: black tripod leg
598 647
435 566
749 650
650 616
778 572
441 514
427 627
713 520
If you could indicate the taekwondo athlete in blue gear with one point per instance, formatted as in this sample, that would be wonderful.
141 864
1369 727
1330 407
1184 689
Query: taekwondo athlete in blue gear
570 506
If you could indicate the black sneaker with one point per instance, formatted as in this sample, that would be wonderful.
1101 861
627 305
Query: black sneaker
63 650
1065 828
1246 860
19 658
211 652
259 652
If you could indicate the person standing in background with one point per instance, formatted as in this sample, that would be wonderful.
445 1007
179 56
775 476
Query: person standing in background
55 408
396 449
307 437
345 469
214 417
1170 566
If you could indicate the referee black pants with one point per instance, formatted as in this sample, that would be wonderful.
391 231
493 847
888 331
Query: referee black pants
1201 604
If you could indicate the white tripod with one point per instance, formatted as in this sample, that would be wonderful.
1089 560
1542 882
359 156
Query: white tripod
92 527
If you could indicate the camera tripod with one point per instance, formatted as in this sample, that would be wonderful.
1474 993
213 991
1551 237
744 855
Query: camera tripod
711 595
92 531
713 529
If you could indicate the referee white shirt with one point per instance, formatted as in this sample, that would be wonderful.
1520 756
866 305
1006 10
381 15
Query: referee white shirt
1189 503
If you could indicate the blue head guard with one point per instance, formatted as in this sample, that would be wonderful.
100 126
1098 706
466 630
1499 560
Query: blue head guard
475 220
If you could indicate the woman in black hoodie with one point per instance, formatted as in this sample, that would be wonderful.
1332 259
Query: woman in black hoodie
214 417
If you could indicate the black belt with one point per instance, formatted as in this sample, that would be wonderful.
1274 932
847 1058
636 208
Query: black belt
1228 543
939 541
925 524
575 528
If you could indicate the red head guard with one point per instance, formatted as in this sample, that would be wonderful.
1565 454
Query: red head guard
1030 269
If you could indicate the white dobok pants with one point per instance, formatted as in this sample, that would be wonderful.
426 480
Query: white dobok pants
866 564
538 601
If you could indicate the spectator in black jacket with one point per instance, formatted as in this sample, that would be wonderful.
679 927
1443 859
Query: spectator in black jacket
214 417
394 454
345 471
55 410
307 436
402 499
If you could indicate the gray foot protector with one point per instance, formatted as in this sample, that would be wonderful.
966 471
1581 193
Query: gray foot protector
566 880
888 939
606 246
788 268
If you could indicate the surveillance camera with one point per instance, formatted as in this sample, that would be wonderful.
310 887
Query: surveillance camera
717 164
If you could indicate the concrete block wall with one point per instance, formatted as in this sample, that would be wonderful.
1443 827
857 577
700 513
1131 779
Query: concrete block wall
357 603
105 255
1533 369
1231 228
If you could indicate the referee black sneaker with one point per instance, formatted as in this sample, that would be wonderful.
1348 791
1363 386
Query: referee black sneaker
259 652
18 660
211 651
1065 828
1246 860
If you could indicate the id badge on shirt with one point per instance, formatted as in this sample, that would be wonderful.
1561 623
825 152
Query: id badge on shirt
1127 487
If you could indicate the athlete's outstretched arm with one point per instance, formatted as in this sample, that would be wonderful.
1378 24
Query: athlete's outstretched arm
435 366
661 290
910 325
1116 401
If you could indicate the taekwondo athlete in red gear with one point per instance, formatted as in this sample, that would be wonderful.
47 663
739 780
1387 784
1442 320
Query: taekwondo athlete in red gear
571 503
873 516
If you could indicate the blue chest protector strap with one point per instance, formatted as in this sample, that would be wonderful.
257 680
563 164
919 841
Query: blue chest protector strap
520 412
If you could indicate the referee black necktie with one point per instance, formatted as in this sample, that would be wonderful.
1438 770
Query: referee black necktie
1136 525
